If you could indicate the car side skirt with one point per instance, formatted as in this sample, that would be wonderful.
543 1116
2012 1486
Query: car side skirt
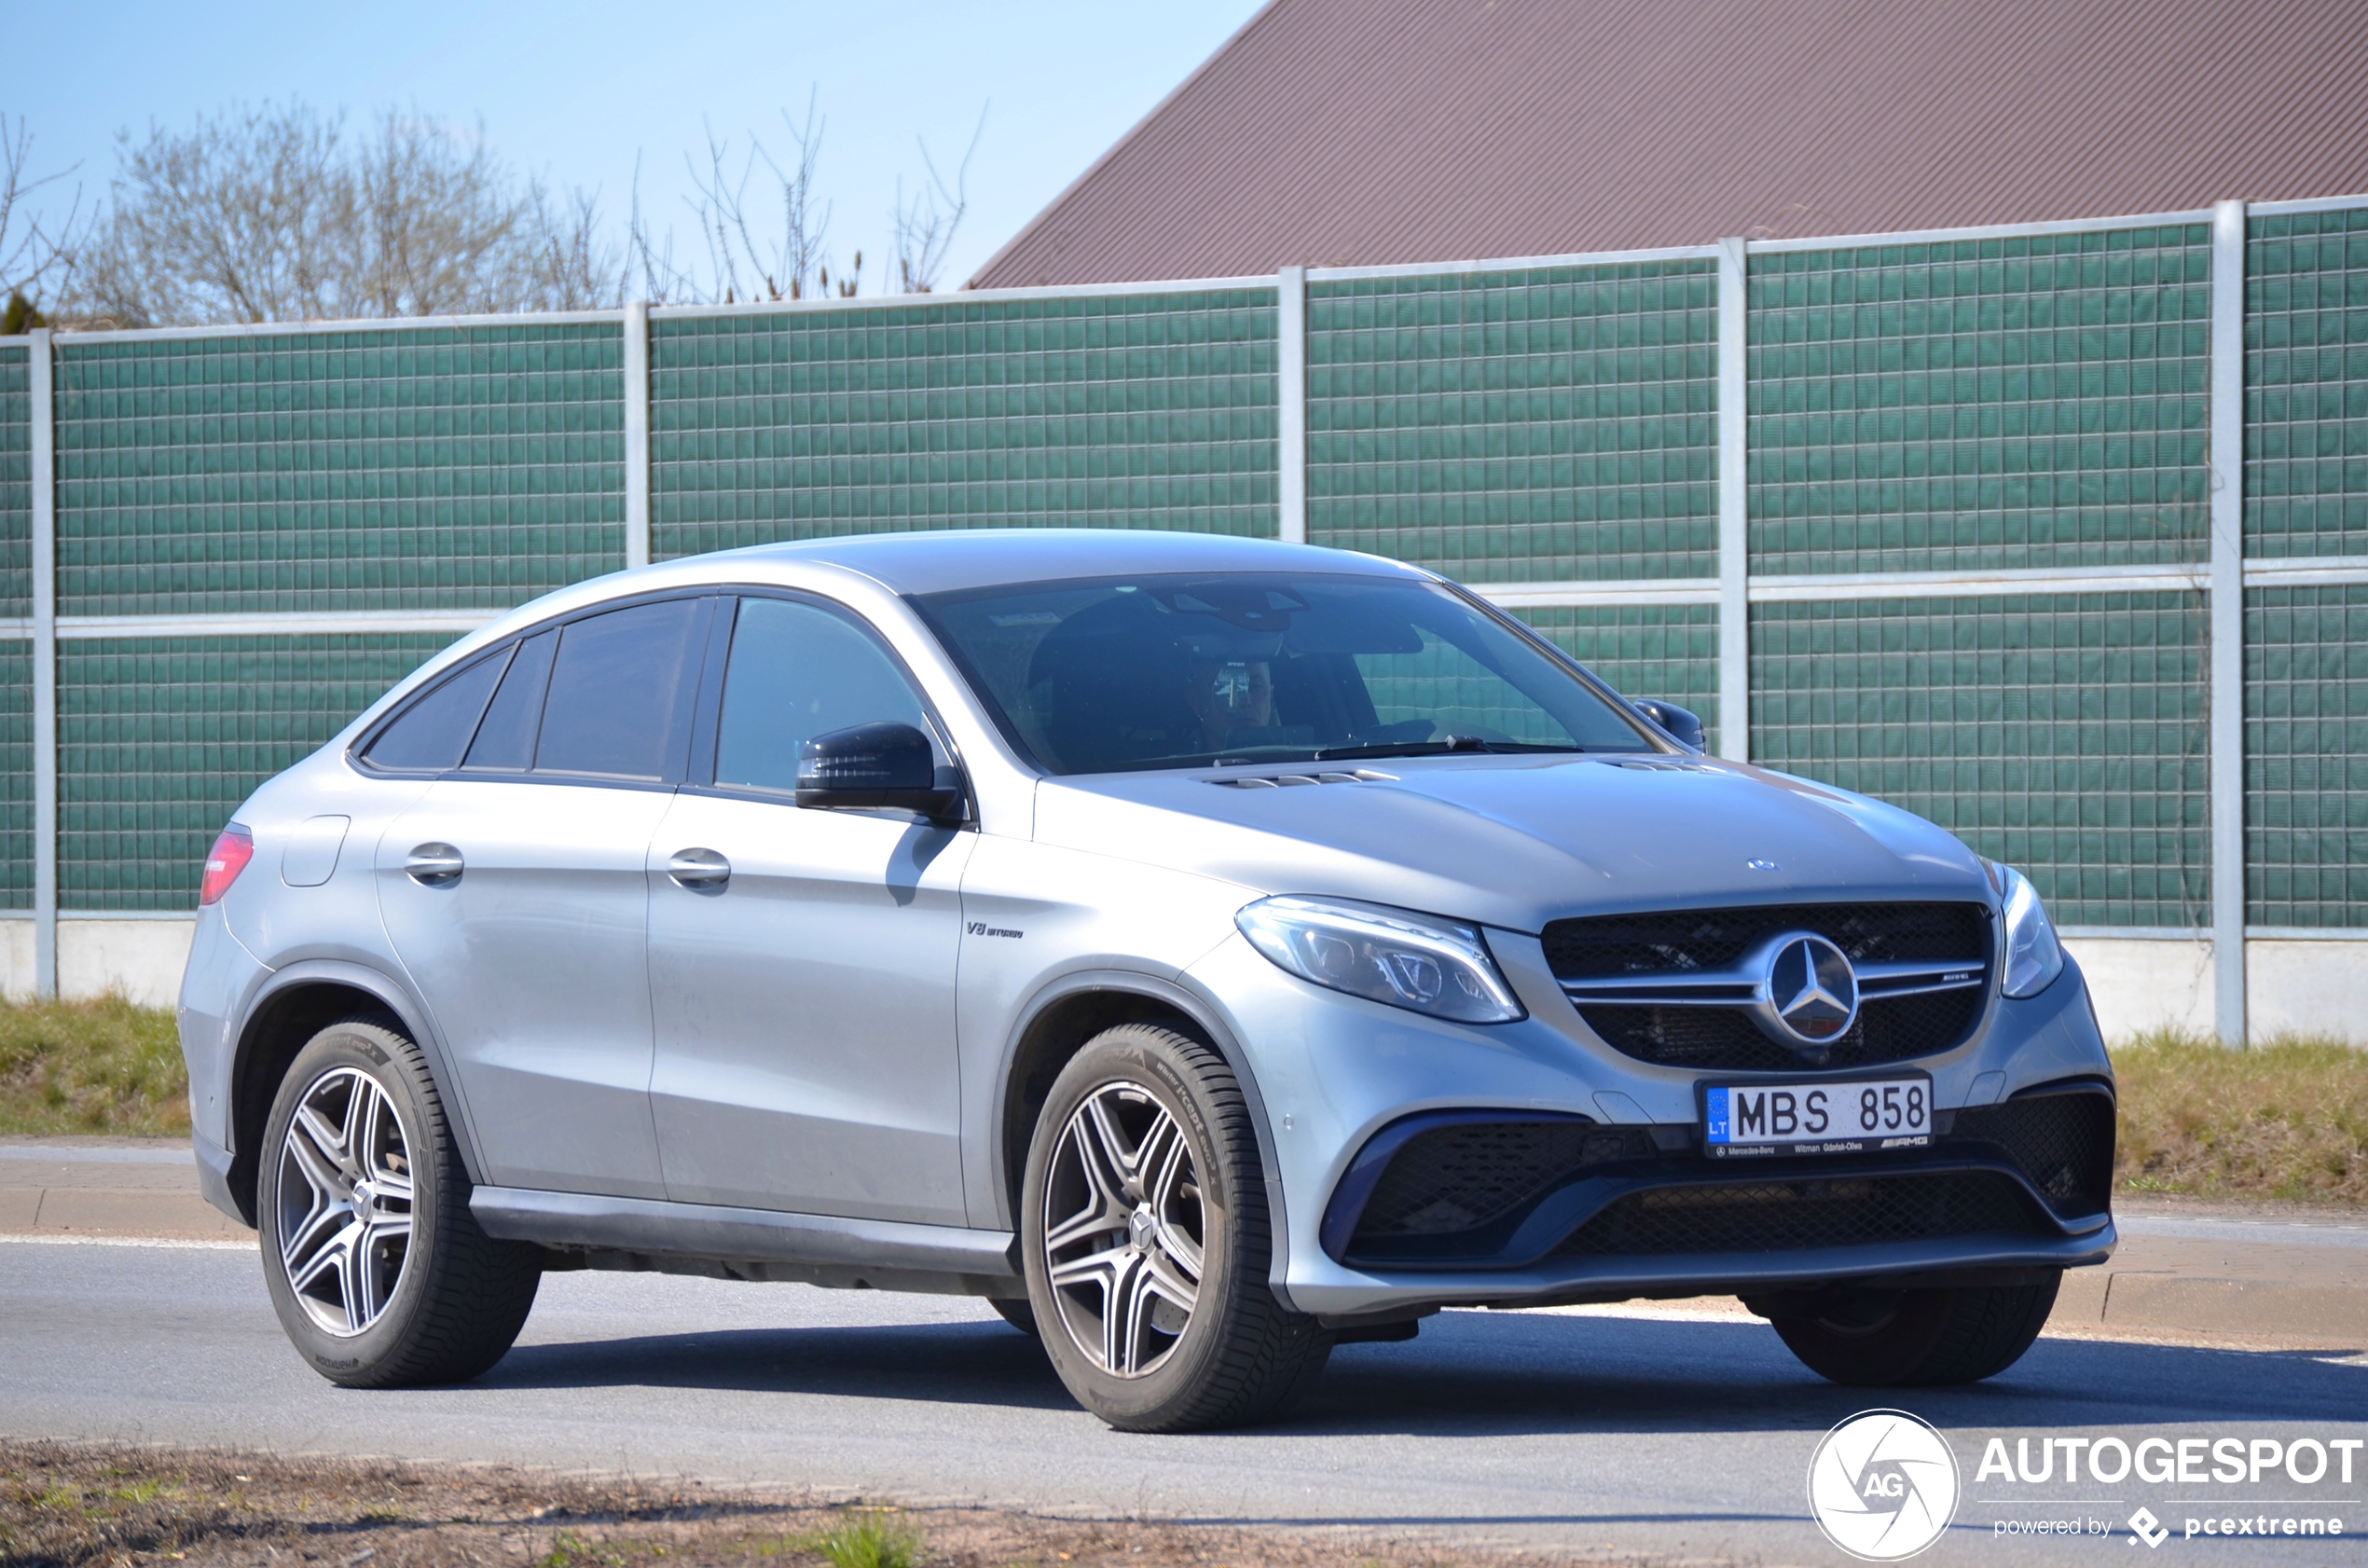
645 1234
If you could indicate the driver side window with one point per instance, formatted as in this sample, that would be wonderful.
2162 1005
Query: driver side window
796 671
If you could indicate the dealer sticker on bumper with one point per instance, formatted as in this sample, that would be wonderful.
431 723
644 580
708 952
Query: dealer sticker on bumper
1855 1117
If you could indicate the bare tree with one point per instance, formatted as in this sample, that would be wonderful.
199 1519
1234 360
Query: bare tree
268 213
755 259
925 230
33 255
572 267
440 224
650 273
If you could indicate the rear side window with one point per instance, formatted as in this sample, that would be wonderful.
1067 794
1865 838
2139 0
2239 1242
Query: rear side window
505 742
431 735
620 688
798 672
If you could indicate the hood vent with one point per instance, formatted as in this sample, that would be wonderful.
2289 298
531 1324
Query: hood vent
1666 765
1284 780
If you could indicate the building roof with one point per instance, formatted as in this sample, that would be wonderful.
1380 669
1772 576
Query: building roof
1349 133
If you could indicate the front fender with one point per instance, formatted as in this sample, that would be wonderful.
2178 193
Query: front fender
987 1146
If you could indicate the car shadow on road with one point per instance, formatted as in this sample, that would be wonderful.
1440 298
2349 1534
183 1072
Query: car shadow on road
980 1363
1482 1375
1472 1374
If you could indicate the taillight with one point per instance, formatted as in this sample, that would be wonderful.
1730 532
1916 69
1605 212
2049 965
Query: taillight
225 861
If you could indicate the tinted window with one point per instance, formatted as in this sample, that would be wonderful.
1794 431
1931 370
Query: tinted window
505 742
796 672
1091 676
619 683
430 735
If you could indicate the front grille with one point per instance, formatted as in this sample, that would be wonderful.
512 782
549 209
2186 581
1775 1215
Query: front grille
1798 1215
1606 947
1463 1178
1887 1029
2062 1142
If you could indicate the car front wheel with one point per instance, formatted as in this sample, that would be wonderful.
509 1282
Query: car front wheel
1145 1240
376 1268
1920 1338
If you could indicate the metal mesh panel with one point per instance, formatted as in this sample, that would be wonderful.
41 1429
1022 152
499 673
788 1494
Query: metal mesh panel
2307 757
2063 734
466 467
16 481
1107 411
1543 425
160 739
2307 384
15 776
2038 401
1645 651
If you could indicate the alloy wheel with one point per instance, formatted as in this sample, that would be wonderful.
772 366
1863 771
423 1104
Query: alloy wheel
1124 1230
345 1202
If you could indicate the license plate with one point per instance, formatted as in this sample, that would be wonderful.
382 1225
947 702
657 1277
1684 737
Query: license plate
1853 1117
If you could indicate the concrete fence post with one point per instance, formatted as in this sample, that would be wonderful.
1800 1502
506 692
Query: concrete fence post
42 413
2226 690
637 434
1290 404
1734 738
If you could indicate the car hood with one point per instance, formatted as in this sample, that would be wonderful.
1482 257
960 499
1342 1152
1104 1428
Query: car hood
1516 840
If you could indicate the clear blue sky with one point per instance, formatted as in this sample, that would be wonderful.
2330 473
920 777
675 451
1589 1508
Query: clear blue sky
574 91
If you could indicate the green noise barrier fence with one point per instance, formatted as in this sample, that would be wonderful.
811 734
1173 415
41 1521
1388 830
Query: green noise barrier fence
2055 533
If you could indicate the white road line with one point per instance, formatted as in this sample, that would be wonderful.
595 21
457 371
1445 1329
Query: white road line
198 1243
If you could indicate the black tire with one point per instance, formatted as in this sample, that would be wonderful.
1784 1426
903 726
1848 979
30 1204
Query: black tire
1016 1310
1236 1354
1923 1338
459 1296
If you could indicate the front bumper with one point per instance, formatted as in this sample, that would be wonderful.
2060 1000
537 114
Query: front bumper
1335 1072
1970 1259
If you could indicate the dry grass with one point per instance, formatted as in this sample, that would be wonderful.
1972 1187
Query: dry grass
2288 1118
95 1505
102 1067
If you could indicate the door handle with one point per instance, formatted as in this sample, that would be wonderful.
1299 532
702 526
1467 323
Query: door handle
701 871
436 865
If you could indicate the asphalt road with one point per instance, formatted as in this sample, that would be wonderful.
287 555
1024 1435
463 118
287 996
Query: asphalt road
1661 1435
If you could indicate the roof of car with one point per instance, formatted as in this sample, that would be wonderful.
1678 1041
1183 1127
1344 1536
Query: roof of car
927 563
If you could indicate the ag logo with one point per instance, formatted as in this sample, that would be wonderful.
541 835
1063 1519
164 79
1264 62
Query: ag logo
1883 1485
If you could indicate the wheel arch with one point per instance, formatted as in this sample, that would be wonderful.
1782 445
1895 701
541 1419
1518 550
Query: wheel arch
1056 1026
295 1004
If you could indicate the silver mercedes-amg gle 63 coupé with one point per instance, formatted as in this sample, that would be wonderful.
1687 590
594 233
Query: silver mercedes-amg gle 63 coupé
1207 950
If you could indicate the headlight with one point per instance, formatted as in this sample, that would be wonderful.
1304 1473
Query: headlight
2033 958
1383 955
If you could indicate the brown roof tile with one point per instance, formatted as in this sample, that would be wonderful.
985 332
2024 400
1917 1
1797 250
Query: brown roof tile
1343 132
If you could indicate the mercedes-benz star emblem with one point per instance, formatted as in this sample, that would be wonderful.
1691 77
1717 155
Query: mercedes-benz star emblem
1811 991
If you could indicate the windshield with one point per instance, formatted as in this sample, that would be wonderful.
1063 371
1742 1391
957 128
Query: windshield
1102 675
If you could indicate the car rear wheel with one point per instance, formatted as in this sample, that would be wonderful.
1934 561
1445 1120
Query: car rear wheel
1144 1236
378 1270
1920 1338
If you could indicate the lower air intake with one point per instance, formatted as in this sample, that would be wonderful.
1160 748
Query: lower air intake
1798 1215
2063 1142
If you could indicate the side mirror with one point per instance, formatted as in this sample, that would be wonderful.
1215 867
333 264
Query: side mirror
883 764
1677 722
